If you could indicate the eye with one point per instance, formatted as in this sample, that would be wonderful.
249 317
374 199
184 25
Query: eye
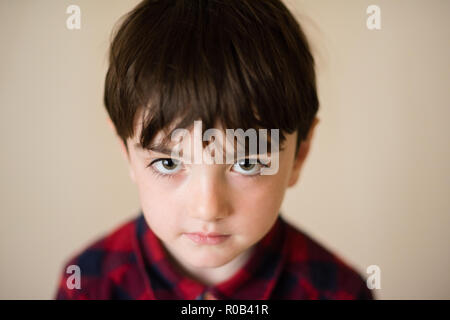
249 166
166 166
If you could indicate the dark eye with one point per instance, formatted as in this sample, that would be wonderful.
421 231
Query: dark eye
168 164
248 167
165 166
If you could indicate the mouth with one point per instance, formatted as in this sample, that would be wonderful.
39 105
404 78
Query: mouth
207 238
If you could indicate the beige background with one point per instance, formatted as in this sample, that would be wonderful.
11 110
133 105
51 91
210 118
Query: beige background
374 189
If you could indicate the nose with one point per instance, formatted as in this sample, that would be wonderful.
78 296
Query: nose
208 195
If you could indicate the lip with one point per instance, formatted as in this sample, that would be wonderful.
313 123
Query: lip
207 238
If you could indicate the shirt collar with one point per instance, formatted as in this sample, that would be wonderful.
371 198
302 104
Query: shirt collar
255 280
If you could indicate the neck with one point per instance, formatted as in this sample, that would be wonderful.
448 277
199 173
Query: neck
213 276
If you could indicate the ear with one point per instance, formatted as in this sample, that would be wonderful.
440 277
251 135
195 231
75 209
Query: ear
123 150
301 155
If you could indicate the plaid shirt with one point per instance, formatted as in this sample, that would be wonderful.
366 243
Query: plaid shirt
130 263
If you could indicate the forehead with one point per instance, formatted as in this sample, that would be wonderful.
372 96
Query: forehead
187 146
157 144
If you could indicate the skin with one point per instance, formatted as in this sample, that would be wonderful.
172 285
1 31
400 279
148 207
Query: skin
210 198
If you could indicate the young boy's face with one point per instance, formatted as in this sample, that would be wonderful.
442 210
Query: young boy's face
210 198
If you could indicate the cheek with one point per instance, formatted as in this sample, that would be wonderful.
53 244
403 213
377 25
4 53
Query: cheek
260 204
258 208
150 188
265 193
158 206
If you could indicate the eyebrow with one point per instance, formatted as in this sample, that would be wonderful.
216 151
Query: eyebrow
167 151
155 148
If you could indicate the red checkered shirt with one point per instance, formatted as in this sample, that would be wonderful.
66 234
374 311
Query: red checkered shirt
130 263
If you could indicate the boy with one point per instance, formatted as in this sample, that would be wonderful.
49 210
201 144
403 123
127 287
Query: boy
210 231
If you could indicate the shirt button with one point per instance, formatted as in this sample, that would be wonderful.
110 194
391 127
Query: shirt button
209 296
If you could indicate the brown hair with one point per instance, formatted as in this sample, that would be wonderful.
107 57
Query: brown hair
244 63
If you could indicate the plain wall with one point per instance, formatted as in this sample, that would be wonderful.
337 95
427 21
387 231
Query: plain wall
374 188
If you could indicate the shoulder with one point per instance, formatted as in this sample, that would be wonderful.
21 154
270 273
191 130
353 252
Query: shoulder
320 273
99 265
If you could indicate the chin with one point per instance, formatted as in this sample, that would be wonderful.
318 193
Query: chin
205 261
